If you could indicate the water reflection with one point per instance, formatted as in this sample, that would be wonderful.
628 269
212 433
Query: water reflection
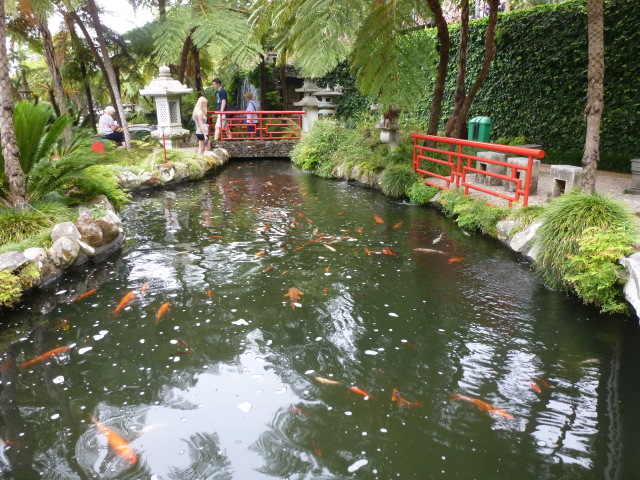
224 385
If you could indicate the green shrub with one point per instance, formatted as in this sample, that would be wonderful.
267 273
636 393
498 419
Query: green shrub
18 225
396 180
419 192
564 223
472 213
97 180
12 284
318 145
594 273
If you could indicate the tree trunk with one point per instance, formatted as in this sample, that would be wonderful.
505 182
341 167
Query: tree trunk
52 98
94 52
595 94
445 46
68 18
461 91
97 26
263 85
197 74
489 55
283 82
162 9
13 172
184 57
56 78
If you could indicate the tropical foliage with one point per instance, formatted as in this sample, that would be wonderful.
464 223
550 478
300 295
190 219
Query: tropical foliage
47 162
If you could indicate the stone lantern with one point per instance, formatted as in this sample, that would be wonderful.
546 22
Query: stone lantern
327 101
389 127
309 104
25 91
167 92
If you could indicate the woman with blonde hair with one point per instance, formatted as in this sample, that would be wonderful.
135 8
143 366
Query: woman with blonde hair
252 118
202 129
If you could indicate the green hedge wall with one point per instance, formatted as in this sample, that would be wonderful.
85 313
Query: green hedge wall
538 81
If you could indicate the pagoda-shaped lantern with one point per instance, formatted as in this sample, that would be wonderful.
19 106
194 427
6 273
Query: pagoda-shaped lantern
166 92
327 101
389 127
309 104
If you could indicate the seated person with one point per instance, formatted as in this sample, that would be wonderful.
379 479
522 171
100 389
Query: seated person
108 127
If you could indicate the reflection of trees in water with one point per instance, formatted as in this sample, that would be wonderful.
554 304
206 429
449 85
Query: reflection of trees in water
207 461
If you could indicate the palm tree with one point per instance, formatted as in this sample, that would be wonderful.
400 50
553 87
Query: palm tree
14 175
595 93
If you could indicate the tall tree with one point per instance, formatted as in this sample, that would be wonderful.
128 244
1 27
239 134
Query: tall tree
595 93
11 156
456 124
444 46
111 75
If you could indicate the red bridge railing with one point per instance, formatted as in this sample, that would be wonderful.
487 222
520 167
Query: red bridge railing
258 125
457 165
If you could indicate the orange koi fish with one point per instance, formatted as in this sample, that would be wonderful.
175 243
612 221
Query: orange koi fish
359 230
294 296
309 220
457 259
162 310
397 225
388 251
325 290
315 447
326 381
7 364
299 248
45 356
266 269
542 382
263 228
299 411
144 287
403 402
484 406
215 236
369 252
360 392
209 293
116 442
341 213
124 302
85 294
535 387
260 253
326 269
64 325
286 271
378 219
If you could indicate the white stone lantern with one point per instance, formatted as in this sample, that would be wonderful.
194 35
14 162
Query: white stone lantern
389 127
166 92
309 104
327 101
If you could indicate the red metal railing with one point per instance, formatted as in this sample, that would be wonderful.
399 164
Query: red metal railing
258 125
460 164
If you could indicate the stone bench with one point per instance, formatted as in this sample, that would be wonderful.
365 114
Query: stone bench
565 177
488 167
522 174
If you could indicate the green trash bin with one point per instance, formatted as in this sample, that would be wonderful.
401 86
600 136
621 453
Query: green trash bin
479 129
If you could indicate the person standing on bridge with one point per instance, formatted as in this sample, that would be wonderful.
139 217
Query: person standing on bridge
252 118
202 129
221 104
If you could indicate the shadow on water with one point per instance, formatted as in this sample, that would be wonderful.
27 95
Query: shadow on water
314 329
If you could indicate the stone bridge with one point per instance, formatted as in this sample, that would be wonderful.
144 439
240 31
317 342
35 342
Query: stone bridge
257 149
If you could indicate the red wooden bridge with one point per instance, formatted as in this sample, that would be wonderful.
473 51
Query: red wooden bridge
258 125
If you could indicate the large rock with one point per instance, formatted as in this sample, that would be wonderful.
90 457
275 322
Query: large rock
222 154
64 252
90 231
212 160
632 287
181 171
149 180
505 227
111 227
128 180
66 229
166 171
102 201
12 261
39 258
523 241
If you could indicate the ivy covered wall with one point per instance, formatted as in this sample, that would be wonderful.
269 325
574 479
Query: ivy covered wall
538 81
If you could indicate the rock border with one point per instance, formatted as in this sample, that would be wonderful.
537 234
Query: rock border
93 238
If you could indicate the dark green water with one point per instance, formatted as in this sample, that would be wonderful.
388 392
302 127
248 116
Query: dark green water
223 386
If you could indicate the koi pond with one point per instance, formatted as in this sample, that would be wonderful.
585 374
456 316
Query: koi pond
286 326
